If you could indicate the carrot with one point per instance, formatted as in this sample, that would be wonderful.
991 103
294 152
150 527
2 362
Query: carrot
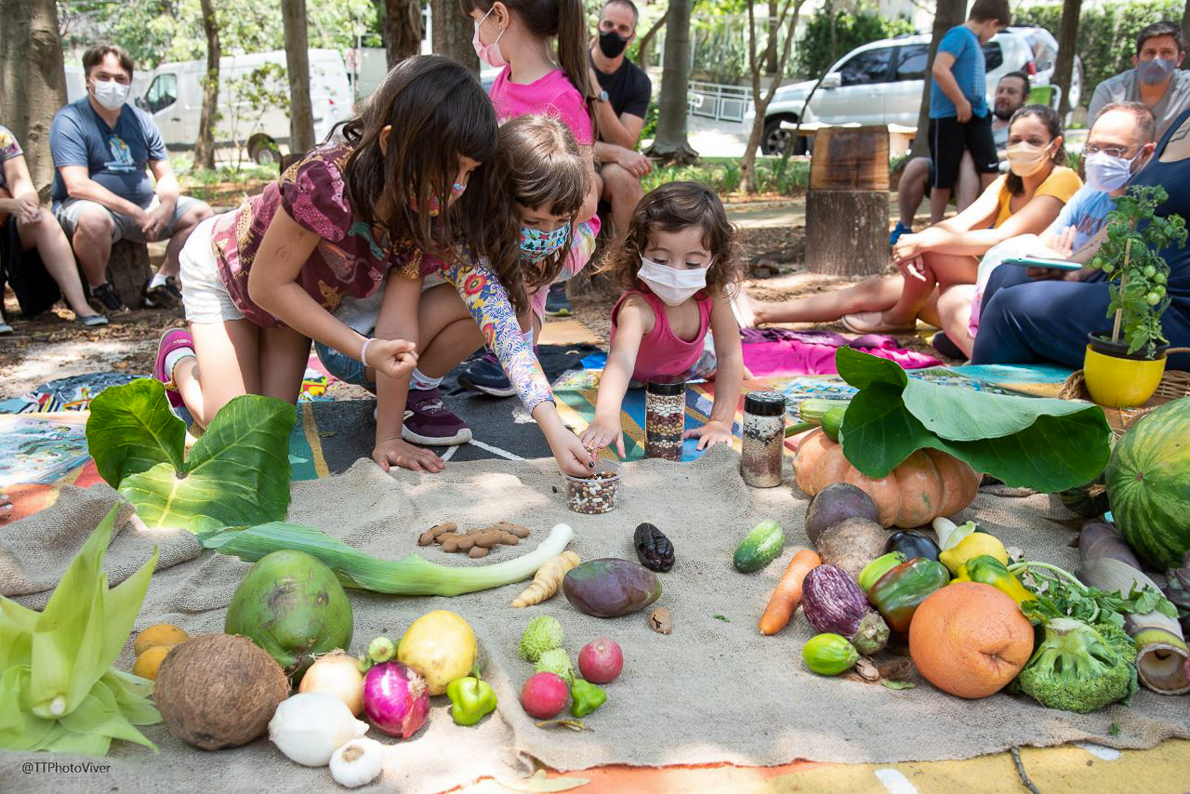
788 592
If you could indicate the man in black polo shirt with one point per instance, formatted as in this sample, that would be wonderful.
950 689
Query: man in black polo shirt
620 113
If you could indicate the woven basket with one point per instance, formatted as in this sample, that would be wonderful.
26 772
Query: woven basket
1174 384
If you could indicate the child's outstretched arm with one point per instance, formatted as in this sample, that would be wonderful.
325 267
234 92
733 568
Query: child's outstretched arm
633 319
728 378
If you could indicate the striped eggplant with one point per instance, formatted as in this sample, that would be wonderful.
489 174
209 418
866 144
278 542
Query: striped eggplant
832 601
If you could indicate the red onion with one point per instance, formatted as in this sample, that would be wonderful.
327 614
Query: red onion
396 699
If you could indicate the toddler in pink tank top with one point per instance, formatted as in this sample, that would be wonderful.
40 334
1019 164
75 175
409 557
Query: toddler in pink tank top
677 263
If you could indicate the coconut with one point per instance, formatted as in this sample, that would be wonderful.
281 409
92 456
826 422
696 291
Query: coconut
219 690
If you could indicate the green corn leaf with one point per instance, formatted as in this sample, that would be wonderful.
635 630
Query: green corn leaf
120 607
132 696
16 630
19 729
99 714
64 740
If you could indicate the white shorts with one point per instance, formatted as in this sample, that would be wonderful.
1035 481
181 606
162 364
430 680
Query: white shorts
204 295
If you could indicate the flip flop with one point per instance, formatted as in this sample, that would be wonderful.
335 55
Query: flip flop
173 339
873 323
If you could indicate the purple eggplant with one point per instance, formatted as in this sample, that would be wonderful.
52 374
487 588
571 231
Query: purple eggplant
832 601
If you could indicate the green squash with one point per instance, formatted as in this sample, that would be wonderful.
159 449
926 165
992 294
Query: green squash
759 547
829 654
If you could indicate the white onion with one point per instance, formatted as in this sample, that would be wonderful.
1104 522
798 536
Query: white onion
336 674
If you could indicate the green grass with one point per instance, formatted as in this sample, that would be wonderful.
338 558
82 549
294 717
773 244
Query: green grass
722 174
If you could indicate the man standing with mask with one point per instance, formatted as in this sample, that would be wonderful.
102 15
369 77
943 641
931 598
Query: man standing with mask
102 194
1156 80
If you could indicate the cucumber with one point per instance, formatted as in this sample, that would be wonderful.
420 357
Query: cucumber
760 547
832 422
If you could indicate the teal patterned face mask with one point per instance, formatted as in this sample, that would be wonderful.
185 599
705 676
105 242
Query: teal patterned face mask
536 245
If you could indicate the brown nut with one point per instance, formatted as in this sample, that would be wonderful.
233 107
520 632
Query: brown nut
450 545
660 621
442 529
425 539
477 552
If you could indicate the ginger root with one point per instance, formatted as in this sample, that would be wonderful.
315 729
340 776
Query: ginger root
547 580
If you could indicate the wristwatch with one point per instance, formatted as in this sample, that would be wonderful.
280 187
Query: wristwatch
602 96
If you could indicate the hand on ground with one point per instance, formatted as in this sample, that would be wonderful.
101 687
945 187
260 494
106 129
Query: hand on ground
601 434
396 358
713 432
397 452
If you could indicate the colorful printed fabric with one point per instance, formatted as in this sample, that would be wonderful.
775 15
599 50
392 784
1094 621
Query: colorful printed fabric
780 351
536 244
348 260
74 393
582 247
9 148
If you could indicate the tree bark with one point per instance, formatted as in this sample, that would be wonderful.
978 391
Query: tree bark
32 80
452 32
791 11
297 59
770 51
670 143
1067 44
402 30
947 14
204 147
646 41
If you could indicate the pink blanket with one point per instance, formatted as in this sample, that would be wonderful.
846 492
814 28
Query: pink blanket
779 351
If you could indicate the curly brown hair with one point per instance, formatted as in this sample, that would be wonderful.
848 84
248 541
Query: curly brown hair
669 208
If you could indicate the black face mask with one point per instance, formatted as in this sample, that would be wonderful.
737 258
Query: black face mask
611 43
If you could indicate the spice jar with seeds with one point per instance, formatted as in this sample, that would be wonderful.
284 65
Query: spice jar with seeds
597 493
665 419
763 439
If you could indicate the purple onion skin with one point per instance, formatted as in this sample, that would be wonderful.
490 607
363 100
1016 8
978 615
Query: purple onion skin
396 699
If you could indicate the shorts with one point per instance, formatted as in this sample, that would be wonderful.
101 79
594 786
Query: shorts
204 295
24 271
949 139
123 226
344 367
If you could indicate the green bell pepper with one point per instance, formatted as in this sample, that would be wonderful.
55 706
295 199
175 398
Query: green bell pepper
470 699
587 697
897 594
986 569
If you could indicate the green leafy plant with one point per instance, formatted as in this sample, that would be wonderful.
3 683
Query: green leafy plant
1048 445
237 474
1130 258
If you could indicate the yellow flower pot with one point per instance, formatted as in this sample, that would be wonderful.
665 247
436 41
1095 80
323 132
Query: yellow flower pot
1118 381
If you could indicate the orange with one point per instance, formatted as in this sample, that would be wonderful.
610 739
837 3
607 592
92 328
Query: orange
165 634
969 639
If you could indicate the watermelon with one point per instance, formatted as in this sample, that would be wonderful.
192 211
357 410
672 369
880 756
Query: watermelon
1148 484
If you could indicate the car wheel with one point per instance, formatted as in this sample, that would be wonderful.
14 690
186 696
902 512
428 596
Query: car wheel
265 152
775 139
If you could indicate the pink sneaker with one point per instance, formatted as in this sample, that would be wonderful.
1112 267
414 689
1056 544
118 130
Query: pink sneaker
171 340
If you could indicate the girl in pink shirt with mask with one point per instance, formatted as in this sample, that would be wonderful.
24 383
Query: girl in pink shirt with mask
678 263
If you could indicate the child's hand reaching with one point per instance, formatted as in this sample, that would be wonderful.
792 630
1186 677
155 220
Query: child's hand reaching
713 432
397 452
602 433
396 358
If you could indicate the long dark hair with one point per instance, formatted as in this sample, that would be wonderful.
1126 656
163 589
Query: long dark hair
438 112
1053 124
564 19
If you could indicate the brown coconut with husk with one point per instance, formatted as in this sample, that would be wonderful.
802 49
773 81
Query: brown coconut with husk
218 690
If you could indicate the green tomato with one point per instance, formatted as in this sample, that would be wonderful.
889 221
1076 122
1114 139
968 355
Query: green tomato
1159 291
1108 267
1097 263
1159 278
1149 271
1152 299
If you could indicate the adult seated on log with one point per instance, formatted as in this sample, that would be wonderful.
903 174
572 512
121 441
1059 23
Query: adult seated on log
32 243
1155 79
1025 201
1034 316
1011 93
101 192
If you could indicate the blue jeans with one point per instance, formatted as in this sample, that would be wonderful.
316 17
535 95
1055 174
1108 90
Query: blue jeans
345 368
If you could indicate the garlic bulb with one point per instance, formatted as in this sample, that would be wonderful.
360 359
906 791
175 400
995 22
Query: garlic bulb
309 727
357 763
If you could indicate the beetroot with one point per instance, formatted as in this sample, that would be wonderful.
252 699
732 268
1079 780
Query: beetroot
600 661
396 699
544 696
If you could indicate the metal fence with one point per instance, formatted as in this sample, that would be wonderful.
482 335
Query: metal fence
721 102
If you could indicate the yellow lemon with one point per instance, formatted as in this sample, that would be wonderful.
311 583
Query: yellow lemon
974 545
161 634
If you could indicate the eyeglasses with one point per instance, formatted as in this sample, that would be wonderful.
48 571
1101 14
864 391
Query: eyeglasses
1111 151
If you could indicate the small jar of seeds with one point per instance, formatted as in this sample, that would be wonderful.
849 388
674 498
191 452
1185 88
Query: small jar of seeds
596 493
665 419
763 439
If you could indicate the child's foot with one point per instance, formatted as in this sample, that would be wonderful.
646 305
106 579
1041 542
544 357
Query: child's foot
874 323
428 421
744 309
487 376
176 344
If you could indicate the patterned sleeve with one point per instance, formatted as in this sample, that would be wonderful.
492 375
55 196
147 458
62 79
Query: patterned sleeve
9 148
313 193
488 303
582 246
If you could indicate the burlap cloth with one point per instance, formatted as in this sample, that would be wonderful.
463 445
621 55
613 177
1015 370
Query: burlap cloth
712 691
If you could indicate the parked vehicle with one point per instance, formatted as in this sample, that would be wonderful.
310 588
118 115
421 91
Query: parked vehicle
881 83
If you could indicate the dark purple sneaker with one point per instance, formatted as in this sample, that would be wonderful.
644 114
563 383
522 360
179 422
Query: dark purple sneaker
428 421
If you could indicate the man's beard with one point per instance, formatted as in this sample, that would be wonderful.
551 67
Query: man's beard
1003 112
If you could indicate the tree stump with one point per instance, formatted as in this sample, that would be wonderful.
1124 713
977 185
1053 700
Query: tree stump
127 271
847 203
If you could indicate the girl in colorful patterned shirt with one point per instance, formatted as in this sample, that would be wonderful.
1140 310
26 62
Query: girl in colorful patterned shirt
678 263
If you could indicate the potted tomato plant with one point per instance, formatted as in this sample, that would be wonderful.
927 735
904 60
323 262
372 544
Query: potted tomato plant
1123 366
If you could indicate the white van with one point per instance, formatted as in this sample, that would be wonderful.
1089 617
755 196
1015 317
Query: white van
174 100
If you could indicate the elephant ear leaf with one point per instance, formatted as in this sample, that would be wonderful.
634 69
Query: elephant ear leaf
131 430
1045 444
237 473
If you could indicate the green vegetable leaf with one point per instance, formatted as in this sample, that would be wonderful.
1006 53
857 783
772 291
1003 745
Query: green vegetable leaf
236 475
897 684
724 618
1047 445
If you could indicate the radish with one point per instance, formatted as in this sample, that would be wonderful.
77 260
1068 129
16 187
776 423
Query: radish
600 661
544 696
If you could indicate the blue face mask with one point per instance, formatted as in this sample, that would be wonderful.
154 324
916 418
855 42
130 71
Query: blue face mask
1155 71
536 245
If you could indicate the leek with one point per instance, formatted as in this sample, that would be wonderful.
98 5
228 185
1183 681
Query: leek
409 576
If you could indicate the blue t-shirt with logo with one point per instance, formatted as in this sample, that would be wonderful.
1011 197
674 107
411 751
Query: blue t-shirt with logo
1087 212
115 157
969 70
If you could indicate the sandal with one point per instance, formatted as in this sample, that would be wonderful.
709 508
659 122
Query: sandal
873 323
172 340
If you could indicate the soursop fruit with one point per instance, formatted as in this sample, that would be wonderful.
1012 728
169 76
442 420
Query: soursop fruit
556 661
544 633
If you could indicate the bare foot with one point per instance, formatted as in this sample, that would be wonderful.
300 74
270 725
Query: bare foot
745 310
874 323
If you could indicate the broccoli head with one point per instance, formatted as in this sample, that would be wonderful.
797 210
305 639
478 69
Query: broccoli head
1075 668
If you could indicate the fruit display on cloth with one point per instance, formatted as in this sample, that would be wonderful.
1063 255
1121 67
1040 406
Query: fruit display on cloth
611 587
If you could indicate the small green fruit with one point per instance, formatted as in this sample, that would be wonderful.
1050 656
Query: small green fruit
1152 299
544 633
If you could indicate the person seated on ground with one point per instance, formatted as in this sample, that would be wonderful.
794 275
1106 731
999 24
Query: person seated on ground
1025 201
101 193
1119 143
1011 93
1155 79
1045 316
30 238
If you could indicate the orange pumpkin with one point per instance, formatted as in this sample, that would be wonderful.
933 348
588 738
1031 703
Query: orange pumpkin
927 484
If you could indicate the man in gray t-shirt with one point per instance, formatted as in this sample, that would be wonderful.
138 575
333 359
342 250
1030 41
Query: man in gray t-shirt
1156 79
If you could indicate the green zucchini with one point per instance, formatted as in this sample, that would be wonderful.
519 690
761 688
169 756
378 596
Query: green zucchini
760 547
832 422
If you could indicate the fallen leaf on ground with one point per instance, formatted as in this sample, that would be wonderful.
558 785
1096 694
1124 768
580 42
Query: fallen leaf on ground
898 684
866 669
574 725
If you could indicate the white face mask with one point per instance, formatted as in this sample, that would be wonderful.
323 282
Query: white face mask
1108 173
672 285
110 94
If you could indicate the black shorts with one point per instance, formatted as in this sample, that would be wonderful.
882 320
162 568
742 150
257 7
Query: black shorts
949 139
34 287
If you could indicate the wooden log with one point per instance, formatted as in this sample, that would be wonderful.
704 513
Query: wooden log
128 270
847 205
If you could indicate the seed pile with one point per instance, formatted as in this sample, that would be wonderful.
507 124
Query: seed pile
594 494
476 542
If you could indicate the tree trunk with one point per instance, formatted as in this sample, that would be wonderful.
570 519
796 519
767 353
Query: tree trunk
847 203
1067 44
32 80
297 59
947 14
402 30
452 31
833 46
792 11
770 51
204 147
646 41
670 144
